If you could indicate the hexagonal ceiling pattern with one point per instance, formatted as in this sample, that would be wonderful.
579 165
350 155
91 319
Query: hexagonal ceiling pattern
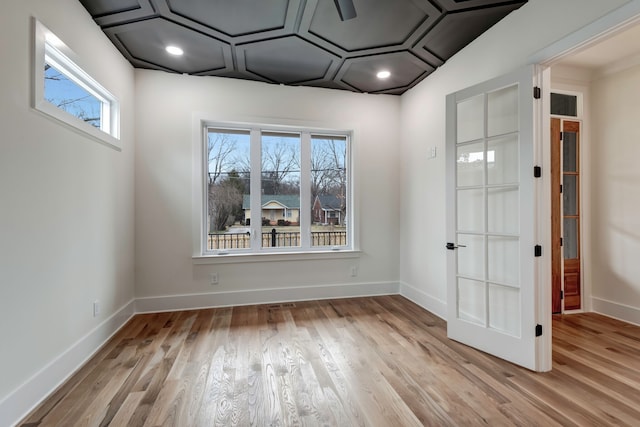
298 42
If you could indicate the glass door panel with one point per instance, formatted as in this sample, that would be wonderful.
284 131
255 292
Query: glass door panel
471 305
503 206
503 255
504 303
471 210
471 261
502 106
470 168
470 124
502 160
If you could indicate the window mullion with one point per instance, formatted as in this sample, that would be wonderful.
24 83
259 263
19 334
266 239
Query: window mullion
305 191
255 190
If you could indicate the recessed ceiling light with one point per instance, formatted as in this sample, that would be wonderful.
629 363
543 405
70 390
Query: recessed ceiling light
383 74
174 50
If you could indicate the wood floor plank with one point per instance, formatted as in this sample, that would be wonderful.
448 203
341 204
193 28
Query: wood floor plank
378 361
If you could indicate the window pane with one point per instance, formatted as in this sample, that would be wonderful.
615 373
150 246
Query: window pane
470 113
502 161
503 210
470 159
564 105
570 152
228 212
471 301
504 309
570 238
280 185
503 256
502 111
570 194
471 261
328 191
471 210
68 96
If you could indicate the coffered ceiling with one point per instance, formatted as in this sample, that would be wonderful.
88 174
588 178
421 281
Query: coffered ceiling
298 42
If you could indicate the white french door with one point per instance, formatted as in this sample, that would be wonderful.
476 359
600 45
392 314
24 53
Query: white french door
490 218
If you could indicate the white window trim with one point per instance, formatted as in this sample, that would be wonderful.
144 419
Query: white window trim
48 45
200 123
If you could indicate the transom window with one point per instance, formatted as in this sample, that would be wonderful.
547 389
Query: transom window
276 190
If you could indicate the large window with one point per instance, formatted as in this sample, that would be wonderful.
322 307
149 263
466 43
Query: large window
64 91
276 190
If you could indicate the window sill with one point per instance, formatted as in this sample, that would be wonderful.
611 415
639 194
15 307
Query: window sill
55 114
274 257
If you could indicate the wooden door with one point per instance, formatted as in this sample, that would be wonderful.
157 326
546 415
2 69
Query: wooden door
565 221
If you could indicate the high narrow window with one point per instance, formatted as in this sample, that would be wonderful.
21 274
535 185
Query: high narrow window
276 190
64 91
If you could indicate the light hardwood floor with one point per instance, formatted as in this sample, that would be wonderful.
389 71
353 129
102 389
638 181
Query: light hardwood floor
380 361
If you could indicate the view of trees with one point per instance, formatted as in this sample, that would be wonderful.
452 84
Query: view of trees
226 183
229 171
280 164
328 169
67 95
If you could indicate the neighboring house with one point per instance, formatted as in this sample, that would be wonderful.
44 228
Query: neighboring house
327 209
275 207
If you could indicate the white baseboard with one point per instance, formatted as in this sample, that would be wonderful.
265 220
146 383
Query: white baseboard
616 310
263 296
424 300
25 398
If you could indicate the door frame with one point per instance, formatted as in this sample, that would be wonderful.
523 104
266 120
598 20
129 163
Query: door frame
616 21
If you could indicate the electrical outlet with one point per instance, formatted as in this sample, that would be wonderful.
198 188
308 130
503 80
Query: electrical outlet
213 278
96 308
353 270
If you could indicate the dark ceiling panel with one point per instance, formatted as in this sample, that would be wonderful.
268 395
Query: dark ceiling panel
234 17
298 42
99 8
446 39
406 69
146 41
288 60
396 21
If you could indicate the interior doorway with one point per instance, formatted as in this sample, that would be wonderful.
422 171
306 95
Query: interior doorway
598 61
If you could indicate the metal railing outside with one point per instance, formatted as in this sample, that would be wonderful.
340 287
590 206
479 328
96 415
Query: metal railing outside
275 239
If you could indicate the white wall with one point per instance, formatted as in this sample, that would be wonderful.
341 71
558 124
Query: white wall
505 47
66 205
165 104
615 181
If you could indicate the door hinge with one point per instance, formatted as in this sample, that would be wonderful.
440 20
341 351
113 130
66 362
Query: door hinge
561 241
537 250
561 136
537 171
537 93
538 330
561 294
560 188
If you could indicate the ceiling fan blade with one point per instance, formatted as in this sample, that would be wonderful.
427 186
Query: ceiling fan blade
346 9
